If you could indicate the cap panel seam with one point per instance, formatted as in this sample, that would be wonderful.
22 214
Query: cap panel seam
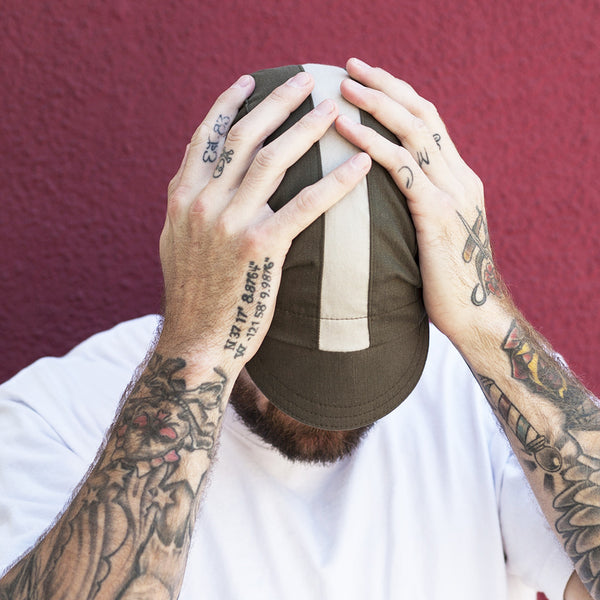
416 365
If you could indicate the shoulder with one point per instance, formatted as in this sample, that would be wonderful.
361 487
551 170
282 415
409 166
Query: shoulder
79 392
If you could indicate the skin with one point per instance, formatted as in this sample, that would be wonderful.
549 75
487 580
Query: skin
465 298
134 512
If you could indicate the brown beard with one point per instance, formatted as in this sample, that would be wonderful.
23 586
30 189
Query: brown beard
295 440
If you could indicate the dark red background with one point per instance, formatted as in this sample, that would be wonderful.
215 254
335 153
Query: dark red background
100 99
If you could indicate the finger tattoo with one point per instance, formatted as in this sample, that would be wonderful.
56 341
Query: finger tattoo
210 154
224 159
220 127
423 157
437 138
406 172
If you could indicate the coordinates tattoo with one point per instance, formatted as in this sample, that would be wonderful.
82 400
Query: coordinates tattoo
571 473
478 246
138 504
252 307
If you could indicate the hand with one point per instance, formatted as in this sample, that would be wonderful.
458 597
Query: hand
222 247
444 195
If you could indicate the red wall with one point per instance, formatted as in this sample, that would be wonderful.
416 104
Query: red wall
100 98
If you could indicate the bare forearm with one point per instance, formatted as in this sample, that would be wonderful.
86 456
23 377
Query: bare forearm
127 532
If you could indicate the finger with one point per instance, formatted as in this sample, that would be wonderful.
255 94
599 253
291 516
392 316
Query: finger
249 133
410 129
405 95
207 142
394 158
272 161
386 153
314 200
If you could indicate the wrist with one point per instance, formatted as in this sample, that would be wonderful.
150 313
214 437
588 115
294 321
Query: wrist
203 354
482 329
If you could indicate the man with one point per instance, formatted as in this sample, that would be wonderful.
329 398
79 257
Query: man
419 506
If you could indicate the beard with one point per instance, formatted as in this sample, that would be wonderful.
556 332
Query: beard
294 440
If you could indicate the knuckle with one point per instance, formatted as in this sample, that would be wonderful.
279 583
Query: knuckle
444 198
266 157
341 177
459 190
377 99
427 110
237 133
418 125
172 186
279 94
177 199
472 184
308 199
308 123
198 208
225 226
252 242
403 156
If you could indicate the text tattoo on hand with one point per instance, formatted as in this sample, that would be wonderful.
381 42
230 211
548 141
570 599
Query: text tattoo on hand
220 128
224 159
478 246
136 501
252 307
406 172
571 473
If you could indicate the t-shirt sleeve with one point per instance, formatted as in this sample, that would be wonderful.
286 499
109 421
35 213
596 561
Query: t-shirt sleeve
533 552
53 418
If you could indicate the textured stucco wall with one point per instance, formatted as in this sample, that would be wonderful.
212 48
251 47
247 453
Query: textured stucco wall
100 98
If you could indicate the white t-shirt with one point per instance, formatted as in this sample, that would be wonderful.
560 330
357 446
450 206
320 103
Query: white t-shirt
432 505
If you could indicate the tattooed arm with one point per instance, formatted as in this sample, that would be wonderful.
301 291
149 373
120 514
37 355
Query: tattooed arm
551 420
127 530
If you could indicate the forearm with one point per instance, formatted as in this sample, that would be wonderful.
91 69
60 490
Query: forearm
551 421
127 531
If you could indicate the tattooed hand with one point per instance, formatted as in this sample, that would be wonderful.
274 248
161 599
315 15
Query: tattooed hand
444 195
551 420
127 531
222 247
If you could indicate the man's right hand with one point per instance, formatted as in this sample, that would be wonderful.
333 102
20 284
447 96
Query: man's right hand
222 247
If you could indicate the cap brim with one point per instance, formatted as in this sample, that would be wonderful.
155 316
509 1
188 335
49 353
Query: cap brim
340 390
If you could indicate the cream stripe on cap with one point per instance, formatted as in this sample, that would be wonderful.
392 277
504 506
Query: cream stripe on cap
343 323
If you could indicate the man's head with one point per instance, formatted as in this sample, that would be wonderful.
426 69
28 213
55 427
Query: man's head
350 334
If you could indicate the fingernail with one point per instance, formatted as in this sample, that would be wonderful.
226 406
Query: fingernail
325 108
359 63
243 81
299 80
361 161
